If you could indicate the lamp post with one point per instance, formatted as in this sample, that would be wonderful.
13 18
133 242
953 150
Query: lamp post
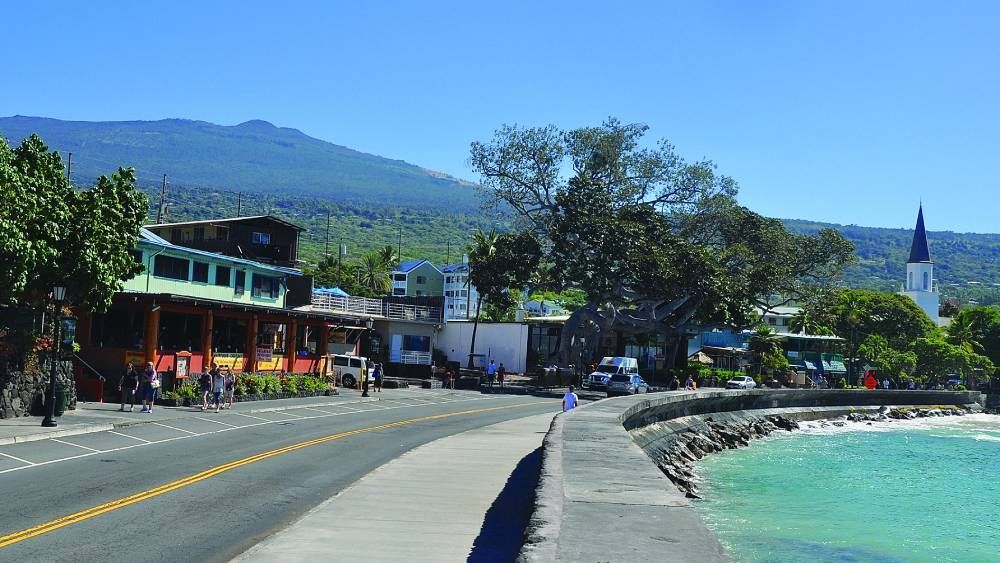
368 334
58 294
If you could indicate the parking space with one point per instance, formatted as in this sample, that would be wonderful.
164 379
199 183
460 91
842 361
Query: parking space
101 441
42 451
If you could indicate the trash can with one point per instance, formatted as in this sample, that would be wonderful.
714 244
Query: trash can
62 399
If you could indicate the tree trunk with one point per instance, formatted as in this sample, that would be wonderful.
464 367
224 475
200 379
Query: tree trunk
475 328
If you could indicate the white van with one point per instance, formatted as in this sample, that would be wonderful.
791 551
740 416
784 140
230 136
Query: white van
611 365
349 370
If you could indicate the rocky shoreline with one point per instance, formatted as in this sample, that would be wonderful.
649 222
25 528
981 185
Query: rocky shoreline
712 436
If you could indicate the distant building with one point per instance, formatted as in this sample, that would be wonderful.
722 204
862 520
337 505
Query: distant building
537 308
417 278
261 238
920 284
460 296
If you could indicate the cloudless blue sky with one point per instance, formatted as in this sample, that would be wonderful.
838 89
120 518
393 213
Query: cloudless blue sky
846 111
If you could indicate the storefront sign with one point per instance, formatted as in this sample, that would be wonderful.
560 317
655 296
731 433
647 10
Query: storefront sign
264 354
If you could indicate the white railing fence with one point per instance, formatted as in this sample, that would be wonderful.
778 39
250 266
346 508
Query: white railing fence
376 308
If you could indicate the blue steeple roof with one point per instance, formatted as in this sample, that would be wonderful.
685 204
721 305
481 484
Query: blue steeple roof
919 251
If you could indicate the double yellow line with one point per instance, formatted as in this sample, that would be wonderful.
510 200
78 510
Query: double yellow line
76 517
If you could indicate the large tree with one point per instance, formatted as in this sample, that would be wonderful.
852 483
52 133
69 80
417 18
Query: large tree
53 234
655 243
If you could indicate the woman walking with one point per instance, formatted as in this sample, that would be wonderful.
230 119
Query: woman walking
128 385
230 385
150 388
205 383
218 385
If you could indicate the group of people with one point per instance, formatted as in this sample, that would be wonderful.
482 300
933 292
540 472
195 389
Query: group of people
145 384
221 385
494 372
689 385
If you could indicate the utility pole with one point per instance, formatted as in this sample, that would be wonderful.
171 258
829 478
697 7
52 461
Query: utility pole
340 258
163 192
326 247
399 249
447 261
239 203
69 169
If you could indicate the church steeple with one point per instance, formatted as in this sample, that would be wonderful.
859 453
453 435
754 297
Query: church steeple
919 251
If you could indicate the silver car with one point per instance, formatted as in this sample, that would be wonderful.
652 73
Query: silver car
741 382
624 384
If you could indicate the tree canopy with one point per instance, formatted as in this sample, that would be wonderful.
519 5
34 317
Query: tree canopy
655 243
52 234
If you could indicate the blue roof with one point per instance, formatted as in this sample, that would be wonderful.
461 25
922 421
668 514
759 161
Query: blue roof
335 291
147 236
410 264
454 268
919 252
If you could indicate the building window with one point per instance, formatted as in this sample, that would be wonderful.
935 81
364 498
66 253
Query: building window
421 280
175 235
222 276
399 291
222 233
261 238
241 282
909 280
772 321
464 293
200 273
199 233
927 281
170 267
399 277
264 286
414 343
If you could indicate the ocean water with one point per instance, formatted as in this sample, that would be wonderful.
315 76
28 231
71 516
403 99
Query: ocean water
921 490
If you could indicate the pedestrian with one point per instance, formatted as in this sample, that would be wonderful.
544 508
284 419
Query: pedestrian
150 388
690 385
205 383
675 383
127 387
449 377
501 374
377 376
229 378
570 400
218 387
491 373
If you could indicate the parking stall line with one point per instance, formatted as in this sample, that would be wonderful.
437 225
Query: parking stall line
15 458
76 445
251 416
173 428
217 422
143 440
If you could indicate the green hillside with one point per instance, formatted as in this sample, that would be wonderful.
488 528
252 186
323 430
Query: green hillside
254 156
372 200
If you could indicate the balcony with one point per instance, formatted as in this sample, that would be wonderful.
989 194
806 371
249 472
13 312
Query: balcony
367 307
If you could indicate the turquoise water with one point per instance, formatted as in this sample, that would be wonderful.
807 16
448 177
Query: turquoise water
922 490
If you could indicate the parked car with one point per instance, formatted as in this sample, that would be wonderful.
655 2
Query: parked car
611 365
624 384
349 370
743 382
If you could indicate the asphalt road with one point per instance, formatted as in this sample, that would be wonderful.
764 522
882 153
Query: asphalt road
199 488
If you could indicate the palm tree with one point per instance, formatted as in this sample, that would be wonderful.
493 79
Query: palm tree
388 255
373 273
482 249
763 341
964 333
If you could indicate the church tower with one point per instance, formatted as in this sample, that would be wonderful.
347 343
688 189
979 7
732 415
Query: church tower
920 283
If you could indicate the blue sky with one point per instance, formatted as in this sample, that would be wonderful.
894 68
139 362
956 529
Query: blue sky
848 112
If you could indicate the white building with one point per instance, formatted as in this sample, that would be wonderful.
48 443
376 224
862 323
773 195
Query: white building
537 308
460 297
920 284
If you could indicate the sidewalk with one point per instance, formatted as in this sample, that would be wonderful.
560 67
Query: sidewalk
430 504
100 417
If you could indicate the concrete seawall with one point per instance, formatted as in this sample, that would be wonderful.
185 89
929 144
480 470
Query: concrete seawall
602 499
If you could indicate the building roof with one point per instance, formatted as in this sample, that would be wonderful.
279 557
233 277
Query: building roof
227 220
147 236
454 268
919 251
407 266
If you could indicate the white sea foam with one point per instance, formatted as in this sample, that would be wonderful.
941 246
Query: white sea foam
986 425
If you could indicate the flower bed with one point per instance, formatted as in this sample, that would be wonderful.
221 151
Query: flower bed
255 387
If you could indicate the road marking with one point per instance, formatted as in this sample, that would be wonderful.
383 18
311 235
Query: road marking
289 414
315 410
17 458
143 440
177 429
265 422
41 529
76 445
217 422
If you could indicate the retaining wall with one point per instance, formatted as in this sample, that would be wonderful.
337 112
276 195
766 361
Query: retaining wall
601 498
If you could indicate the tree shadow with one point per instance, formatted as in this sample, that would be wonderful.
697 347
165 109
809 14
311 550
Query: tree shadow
502 533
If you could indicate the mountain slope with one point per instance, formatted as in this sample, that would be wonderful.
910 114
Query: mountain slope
254 156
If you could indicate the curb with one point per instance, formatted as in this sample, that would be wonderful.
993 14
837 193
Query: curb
92 428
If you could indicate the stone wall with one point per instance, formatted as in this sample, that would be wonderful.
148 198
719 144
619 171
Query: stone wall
22 389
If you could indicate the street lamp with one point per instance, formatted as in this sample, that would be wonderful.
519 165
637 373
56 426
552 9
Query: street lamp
58 294
368 334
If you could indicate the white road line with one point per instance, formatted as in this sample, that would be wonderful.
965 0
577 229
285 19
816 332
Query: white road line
173 428
143 440
249 416
77 445
217 422
17 459
315 410
290 414
189 434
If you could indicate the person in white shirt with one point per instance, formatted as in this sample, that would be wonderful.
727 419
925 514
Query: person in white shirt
570 400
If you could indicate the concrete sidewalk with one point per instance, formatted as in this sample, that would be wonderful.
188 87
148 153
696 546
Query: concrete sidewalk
100 417
429 504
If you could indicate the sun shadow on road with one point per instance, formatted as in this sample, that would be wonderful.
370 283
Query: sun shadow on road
502 533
